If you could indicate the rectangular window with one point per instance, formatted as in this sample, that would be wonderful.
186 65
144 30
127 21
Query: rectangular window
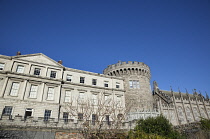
33 91
94 81
107 120
14 89
68 78
94 99
37 71
82 79
134 84
65 117
106 84
106 99
1 66
28 112
117 85
118 101
47 115
80 116
67 96
53 74
50 93
137 85
7 110
20 69
94 118
81 96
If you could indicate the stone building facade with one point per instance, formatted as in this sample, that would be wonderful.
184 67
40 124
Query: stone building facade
35 86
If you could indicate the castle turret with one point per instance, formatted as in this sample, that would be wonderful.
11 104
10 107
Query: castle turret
136 83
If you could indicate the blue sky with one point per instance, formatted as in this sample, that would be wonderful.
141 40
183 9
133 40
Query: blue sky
171 36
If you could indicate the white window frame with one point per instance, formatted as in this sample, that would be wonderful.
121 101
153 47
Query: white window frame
67 96
106 84
53 74
82 80
47 114
81 96
94 99
117 85
134 84
14 89
68 78
50 93
118 101
20 69
33 91
7 110
35 71
94 81
2 66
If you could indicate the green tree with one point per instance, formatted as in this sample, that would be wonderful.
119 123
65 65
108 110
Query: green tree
205 124
154 126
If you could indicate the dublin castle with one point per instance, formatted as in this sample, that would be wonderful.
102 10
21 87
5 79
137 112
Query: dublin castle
34 86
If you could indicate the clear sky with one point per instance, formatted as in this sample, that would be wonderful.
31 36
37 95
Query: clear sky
171 36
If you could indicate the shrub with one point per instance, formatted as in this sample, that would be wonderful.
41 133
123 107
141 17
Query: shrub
155 126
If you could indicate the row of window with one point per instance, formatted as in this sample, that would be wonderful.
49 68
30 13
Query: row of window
33 91
50 94
47 114
53 74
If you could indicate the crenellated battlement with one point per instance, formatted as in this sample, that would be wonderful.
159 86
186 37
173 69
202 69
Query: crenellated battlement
130 67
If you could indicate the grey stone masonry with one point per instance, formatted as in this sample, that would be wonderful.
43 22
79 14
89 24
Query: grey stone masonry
136 77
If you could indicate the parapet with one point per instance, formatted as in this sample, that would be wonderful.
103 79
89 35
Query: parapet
130 67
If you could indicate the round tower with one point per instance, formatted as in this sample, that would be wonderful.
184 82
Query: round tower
136 83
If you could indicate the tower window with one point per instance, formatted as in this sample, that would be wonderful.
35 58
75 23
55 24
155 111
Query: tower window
134 84
117 85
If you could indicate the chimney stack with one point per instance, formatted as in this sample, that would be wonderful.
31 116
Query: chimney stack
18 53
60 62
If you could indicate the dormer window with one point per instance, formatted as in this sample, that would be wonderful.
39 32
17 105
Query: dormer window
1 66
53 74
20 69
37 71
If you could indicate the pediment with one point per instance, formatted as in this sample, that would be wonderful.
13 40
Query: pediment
38 58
